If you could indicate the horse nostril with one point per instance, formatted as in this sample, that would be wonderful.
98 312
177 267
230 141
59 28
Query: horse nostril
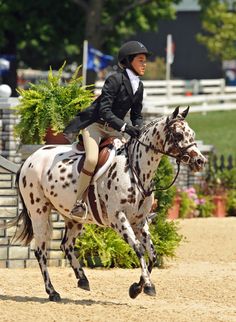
200 161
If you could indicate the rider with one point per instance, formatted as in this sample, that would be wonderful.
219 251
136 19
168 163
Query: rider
122 91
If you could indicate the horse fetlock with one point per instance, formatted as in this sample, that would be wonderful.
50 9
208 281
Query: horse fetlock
149 289
84 284
54 297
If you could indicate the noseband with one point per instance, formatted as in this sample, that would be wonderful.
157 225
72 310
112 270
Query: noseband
181 155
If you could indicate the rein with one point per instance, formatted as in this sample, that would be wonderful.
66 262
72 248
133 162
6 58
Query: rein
146 193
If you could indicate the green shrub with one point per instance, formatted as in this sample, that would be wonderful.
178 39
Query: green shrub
231 203
110 250
228 178
205 206
187 205
49 104
104 247
164 177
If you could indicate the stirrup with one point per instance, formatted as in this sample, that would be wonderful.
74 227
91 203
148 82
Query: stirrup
80 209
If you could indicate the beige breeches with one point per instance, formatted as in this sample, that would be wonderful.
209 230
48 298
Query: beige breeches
92 136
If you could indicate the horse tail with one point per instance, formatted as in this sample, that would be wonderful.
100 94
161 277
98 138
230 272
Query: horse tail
24 230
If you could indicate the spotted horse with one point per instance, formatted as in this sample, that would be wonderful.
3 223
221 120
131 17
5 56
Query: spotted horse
48 181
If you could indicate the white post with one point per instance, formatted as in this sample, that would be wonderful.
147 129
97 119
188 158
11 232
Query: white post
85 61
169 60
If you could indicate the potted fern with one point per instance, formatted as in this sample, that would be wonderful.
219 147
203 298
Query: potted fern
49 105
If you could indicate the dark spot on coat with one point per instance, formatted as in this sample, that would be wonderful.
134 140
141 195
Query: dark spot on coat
24 181
65 160
49 147
31 198
70 225
140 203
109 184
114 175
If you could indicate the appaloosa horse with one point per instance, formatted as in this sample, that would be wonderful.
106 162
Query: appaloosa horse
48 180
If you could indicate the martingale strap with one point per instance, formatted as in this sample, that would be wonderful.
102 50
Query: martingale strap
94 203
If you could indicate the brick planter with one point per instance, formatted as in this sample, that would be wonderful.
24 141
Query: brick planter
173 212
220 205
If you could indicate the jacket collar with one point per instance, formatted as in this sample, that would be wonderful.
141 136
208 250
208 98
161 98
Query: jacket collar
128 84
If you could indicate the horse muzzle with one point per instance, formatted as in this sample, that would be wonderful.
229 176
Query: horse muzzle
197 163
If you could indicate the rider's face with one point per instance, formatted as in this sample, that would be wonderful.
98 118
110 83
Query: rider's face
139 64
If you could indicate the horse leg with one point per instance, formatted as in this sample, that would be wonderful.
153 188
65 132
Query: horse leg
41 235
67 246
144 237
123 227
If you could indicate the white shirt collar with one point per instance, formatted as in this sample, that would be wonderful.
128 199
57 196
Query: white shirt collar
134 80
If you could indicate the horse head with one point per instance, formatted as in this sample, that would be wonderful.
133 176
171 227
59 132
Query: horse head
179 141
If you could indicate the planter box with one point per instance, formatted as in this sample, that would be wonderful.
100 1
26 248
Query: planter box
173 212
220 205
59 138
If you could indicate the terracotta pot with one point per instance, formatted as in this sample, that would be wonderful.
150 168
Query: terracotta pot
173 212
59 138
220 205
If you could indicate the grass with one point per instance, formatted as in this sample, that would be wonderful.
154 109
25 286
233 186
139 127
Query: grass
216 128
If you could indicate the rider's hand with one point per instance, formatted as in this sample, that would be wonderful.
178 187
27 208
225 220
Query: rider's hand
134 132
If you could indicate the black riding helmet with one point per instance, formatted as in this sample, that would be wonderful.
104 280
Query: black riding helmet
128 51
131 48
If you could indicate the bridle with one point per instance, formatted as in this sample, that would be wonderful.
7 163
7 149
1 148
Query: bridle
182 156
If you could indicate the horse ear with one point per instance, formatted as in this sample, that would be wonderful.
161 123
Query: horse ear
185 112
175 113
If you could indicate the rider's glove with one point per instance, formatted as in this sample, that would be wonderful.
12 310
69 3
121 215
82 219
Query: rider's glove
134 132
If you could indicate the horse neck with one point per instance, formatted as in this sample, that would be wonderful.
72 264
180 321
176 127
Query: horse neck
146 160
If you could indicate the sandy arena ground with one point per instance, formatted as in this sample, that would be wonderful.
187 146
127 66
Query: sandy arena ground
199 285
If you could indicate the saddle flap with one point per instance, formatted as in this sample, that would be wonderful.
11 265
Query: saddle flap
102 159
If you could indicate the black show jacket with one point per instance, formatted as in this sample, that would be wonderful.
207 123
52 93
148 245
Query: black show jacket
112 105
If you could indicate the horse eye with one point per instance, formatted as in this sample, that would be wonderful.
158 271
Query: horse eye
179 136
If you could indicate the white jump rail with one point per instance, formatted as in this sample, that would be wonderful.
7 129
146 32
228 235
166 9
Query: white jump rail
180 87
198 103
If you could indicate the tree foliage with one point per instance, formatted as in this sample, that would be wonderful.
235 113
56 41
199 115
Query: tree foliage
219 25
47 32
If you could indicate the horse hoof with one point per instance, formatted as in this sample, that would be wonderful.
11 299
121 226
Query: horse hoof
134 290
84 284
55 297
149 290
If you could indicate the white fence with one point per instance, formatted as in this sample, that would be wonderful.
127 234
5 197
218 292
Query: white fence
202 95
198 103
